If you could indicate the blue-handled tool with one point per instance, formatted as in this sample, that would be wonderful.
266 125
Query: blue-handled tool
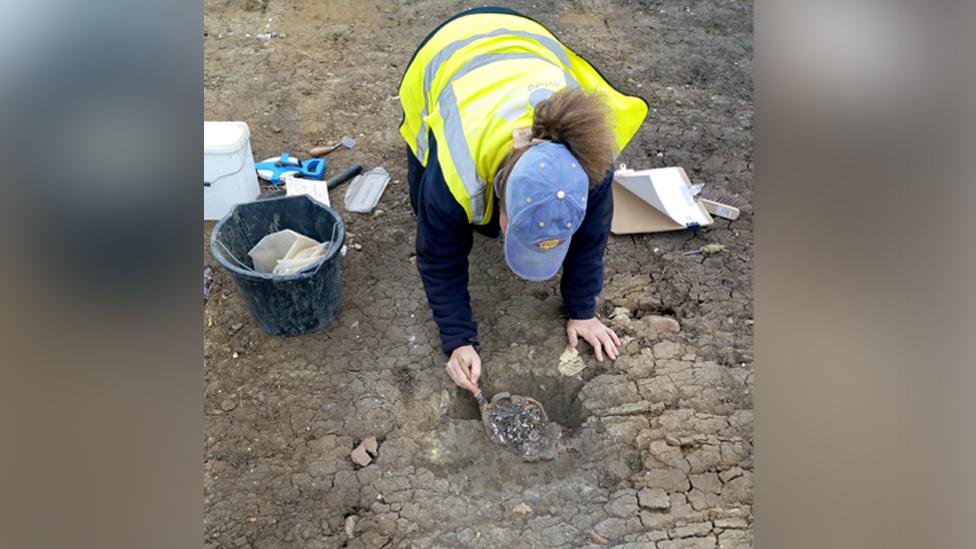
274 169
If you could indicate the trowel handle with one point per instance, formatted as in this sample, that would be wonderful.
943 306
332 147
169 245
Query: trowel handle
482 401
344 175
322 151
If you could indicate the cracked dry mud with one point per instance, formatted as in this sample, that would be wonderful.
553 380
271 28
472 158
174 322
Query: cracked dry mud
656 449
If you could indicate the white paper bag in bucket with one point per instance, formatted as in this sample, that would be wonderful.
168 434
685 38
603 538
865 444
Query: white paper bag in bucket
229 177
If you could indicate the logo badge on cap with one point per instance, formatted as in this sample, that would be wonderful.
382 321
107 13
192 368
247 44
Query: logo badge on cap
550 243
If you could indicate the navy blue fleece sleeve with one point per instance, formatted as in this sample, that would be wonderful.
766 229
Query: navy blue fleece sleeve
582 278
444 239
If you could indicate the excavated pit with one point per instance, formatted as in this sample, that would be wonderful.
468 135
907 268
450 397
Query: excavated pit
557 395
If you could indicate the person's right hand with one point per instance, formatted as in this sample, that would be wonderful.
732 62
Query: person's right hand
464 367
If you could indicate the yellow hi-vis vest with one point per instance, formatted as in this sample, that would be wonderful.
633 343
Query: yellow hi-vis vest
477 79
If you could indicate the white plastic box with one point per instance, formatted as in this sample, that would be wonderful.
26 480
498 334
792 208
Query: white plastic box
229 177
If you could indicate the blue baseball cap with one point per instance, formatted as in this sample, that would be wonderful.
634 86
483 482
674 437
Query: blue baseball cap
545 199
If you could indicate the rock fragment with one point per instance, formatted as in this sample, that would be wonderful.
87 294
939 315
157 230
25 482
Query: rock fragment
228 405
662 324
570 362
371 445
597 538
620 311
351 526
360 457
521 509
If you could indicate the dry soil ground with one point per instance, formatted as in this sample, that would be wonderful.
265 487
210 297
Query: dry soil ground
656 448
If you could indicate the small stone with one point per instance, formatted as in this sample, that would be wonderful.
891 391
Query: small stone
521 509
228 405
358 247
371 446
236 327
570 362
354 325
235 355
378 213
276 129
360 457
620 311
662 323
654 498
597 538
351 526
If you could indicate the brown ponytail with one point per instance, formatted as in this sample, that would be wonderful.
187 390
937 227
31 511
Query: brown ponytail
576 120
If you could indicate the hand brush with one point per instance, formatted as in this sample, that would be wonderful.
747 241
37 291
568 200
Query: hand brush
724 205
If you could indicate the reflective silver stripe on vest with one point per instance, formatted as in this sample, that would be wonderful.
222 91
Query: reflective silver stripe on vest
457 143
430 71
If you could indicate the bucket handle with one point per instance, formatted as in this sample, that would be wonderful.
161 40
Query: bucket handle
240 263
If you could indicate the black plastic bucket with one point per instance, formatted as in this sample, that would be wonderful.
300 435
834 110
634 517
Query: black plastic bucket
292 304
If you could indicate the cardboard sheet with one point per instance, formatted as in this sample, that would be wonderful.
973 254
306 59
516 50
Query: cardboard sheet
651 201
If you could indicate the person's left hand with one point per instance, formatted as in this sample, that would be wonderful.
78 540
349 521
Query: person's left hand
602 338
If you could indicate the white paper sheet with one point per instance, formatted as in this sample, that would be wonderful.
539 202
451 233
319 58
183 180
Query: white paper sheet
667 191
316 189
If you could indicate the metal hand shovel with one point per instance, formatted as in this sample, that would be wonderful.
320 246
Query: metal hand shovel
346 141
519 424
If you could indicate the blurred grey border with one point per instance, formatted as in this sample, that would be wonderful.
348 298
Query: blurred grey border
101 106
865 260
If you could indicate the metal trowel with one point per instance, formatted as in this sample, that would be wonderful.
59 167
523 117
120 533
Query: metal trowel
346 141
519 424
